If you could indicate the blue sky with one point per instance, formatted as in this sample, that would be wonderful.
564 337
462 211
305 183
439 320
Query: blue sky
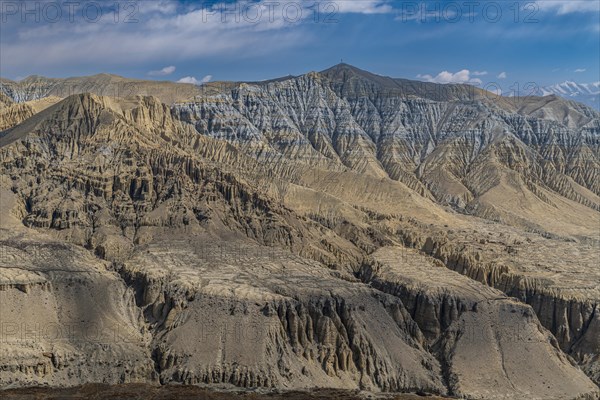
507 42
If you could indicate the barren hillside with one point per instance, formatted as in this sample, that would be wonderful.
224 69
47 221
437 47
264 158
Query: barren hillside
337 229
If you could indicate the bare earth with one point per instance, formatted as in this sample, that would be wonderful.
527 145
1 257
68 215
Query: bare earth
148 392
336 230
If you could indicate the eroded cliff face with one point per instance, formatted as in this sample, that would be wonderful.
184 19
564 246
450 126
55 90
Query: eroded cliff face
266 324
269 235
504 162
459 316
567 306
65 317
456 151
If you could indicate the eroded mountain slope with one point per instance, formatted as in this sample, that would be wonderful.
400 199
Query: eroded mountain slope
261 205
454 151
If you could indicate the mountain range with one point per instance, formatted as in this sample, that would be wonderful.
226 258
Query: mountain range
586 93
336 229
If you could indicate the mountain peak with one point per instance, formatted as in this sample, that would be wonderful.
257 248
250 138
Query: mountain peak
346 68
105 75
344 65
344 73
32 78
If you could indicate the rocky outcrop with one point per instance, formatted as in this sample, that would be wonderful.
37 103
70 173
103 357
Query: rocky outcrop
14 114
460 318
66 319
323 331
569 316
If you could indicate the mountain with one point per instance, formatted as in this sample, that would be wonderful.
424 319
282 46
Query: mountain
336 229
452 151
585 93
36 87
13 113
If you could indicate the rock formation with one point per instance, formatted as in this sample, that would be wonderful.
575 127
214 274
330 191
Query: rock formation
338 229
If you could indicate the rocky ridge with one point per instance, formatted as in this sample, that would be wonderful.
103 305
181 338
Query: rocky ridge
268 206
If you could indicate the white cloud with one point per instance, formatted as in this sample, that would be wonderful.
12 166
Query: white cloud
168 30
479 73
165 32
462 76
562 7
165 71
189 79
502 75
580 70
156 6
363 6
194 81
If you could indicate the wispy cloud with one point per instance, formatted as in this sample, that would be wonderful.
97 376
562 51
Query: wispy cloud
187 34
562 7
162 31
194 81
502 75
580 70
150 31
462 76
157 6
163 72
363 6
189 79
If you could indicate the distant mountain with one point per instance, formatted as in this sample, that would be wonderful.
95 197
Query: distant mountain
586 93
36 87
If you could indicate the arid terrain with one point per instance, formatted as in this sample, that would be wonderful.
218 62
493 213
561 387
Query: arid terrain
338 230
180 392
